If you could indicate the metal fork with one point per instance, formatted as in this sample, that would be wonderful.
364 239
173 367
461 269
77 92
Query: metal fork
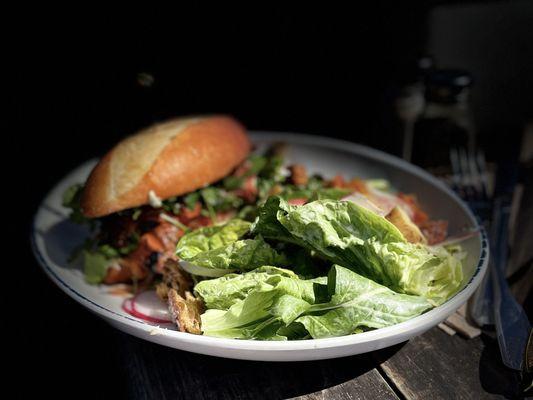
493 302
470 176
470 181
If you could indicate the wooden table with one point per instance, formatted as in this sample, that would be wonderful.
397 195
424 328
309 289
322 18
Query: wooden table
431 366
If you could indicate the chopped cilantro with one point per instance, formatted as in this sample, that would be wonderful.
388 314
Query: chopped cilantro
191 199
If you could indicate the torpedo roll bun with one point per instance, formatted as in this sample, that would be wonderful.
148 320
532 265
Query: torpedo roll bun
168 159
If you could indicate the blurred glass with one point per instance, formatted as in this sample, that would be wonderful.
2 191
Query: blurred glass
446 121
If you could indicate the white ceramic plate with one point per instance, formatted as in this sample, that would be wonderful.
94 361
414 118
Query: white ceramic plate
54 237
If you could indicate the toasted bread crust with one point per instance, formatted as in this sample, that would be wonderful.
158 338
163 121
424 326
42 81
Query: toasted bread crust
171 159
409 230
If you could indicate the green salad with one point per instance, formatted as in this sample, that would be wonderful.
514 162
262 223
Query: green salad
326 268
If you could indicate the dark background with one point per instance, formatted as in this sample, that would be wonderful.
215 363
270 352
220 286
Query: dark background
322 70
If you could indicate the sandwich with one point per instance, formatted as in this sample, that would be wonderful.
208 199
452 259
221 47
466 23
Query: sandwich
151 188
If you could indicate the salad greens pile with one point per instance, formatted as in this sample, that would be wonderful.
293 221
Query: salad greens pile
271 303
352 270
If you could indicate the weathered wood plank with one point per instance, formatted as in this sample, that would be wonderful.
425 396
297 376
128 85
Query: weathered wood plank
370 385
438 366
154 371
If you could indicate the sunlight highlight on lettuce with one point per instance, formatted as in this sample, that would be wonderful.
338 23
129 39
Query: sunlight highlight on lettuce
221 248
356 238
225 291
211 237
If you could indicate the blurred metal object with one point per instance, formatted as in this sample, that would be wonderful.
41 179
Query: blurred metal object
470 181
512 324
493 302
409 106
446 120
411 102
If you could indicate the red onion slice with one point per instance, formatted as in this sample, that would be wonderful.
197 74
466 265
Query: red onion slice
457 238
148 307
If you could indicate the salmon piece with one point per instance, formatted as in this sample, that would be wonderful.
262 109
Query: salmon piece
118 274
298 174
242 169
435 231
187 214
200 222
249 190
168 235
134 265
358 185
355 184
276 189
337 182
223 217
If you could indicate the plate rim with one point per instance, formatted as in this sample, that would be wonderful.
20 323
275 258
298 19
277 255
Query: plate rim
422 322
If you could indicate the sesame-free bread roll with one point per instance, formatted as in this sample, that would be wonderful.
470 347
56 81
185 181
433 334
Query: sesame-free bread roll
170 158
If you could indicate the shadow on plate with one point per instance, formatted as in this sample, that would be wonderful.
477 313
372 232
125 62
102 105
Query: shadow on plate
154 371
61 240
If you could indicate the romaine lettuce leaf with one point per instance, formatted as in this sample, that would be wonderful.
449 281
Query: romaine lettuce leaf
302 262
308 290
293 331
287 308
434 273
356 238
219 248
267 224
327 223
72 199
244 319
358 302
223 292
259 312
95 265
211 237
242 255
